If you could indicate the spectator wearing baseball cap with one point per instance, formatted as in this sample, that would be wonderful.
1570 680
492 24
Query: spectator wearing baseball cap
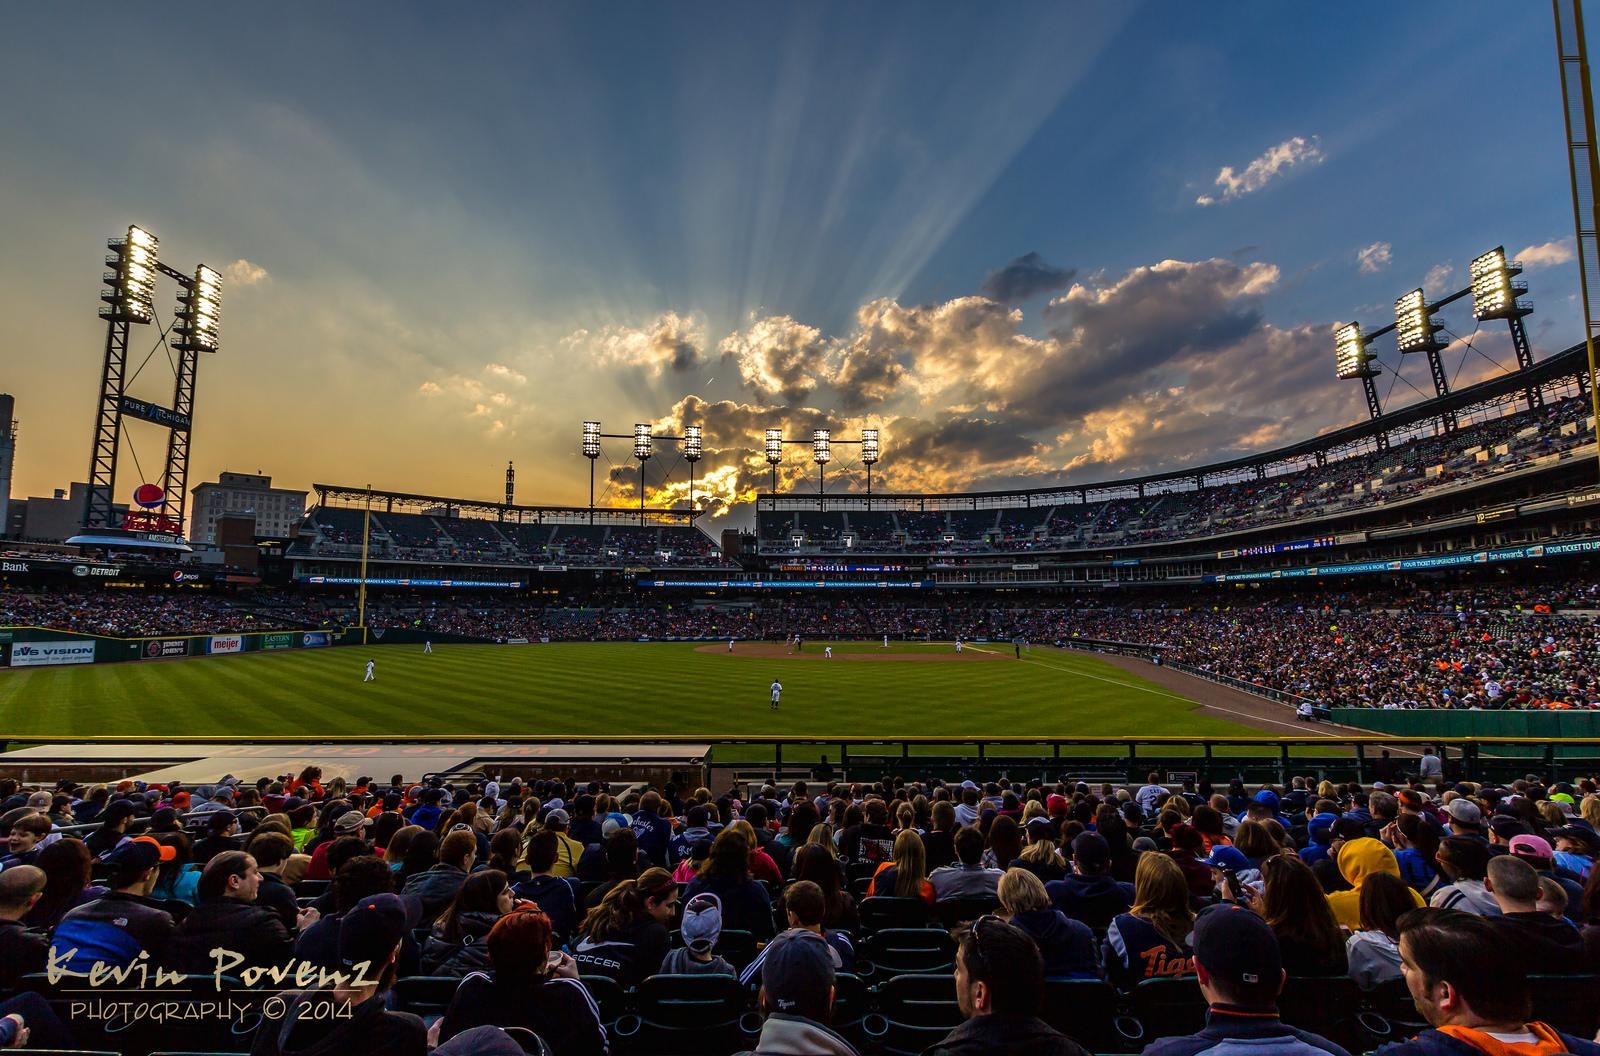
370 935
125 922
1456 971
568 850
1240 972
797 999
1465 818
1089 894
999 986
701 928
1537 852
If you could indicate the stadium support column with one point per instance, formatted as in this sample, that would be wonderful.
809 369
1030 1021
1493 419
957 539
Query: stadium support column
361 590
1352 360
591 451
100 512
1519 341
175 484
1415 331
1577 105
1494 296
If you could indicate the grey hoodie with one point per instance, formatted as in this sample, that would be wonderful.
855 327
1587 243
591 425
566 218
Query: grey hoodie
1374 959
785 1035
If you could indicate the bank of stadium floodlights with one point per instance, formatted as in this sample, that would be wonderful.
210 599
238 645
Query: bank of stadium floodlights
694 449
130 300
822 441
1495 290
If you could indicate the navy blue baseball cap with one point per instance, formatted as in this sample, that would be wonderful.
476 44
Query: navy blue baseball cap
1240 950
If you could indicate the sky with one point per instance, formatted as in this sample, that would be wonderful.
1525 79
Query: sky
1034 244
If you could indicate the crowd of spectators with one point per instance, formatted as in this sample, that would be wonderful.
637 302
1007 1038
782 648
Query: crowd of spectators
1512 646
1376 477
535 897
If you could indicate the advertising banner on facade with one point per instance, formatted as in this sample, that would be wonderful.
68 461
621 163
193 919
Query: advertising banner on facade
315 639
277 641
156 648
226 643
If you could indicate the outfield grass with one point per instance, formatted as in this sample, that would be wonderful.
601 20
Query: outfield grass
576 689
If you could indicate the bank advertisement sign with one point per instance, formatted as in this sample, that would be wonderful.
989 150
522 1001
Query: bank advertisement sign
46 654
226 643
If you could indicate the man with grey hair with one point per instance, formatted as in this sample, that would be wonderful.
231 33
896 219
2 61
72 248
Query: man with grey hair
1548 945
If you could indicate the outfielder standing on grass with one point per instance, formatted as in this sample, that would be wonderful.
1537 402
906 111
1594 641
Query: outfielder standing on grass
777 691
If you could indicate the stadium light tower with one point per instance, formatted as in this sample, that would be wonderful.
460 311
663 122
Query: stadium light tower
1415 331
821 454
1352 360
129 298
1494 296
694 449
199 306
591 451
643 448
774 454
870 453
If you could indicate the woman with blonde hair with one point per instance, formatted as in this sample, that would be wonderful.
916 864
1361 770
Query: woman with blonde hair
762 867
906 874
1153 938
1067 945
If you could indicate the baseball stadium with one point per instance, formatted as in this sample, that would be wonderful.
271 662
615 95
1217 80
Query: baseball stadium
898 710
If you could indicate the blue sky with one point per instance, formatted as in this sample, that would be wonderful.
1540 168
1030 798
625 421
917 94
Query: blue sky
449 237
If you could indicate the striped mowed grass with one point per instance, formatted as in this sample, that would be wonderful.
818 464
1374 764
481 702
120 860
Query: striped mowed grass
590 689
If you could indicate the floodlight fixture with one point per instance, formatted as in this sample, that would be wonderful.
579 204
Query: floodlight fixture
1351 359
694 448
821 447
869 446
1494 294
591 440
774 446
131 298
1413 324
198 308
643 442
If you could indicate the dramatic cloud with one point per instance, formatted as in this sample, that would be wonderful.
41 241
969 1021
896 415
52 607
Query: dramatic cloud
1025 277
487 399
1265 169
1163 366
778 357
1111 338
1547 255
243 273
1439 279
672 343
1374 258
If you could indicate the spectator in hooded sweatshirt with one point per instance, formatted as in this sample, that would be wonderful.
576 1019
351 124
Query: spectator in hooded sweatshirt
1455 969
796 999
116 928
702 927
1359 859
625 936
436 887
551 893
1374 951
1464 861
1067 946
1319 834
1546 944
1089 894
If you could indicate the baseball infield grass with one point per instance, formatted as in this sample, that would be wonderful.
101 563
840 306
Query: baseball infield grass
618 689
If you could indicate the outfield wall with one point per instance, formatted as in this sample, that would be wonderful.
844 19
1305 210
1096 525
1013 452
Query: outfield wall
1551 725
48 647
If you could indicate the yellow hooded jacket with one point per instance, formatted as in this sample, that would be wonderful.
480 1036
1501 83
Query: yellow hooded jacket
1359 859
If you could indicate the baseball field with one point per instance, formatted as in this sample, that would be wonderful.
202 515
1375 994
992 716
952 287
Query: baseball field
623 689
